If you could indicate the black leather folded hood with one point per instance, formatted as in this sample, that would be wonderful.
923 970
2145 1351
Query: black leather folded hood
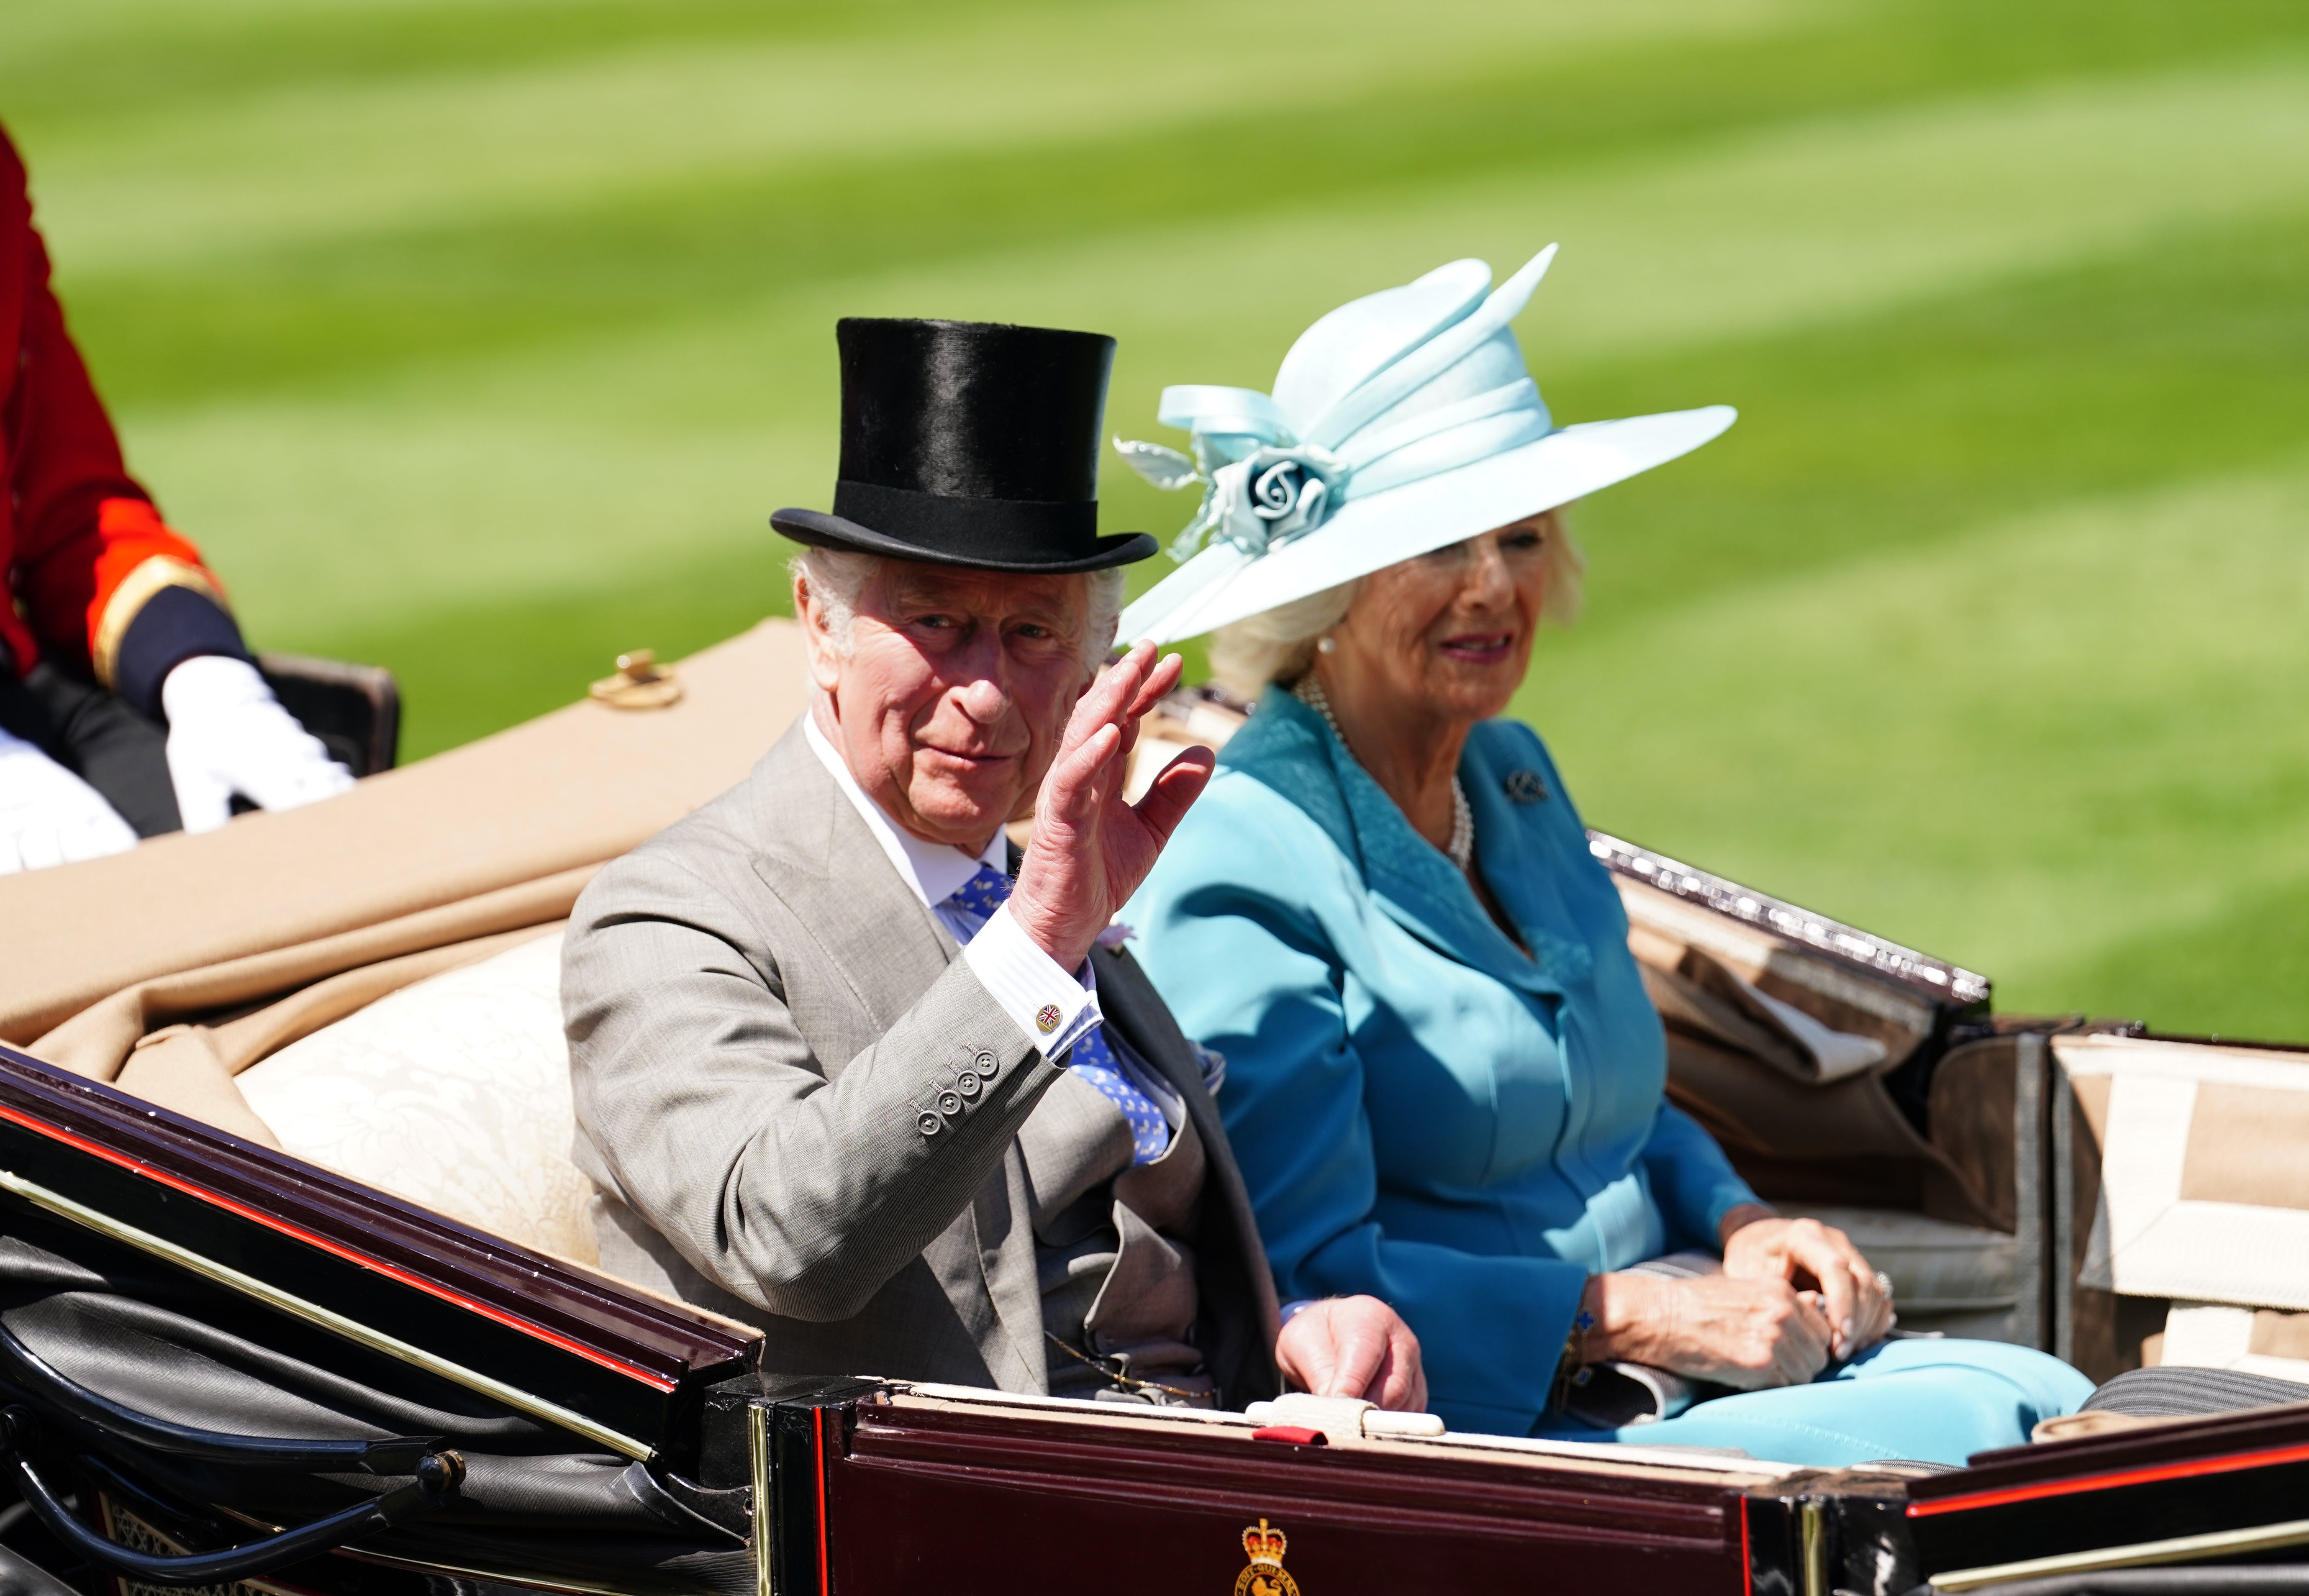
217 1420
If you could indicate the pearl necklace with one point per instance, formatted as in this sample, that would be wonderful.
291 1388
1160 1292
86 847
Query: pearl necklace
1462 846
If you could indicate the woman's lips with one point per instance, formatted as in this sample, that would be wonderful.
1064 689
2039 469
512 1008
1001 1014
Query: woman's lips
1486 647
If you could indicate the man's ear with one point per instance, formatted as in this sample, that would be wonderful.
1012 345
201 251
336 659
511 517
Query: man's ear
817 637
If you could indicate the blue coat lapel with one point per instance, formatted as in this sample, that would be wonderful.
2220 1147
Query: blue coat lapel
1287 748
1528 853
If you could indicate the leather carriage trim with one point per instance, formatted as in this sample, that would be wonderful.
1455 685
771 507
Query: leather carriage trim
2142 1554
2149 1474
338 1249
1922 972
352 1330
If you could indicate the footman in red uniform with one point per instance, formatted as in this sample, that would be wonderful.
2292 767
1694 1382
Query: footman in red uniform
129 706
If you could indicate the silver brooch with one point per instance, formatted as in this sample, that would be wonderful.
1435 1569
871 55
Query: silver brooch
1525 787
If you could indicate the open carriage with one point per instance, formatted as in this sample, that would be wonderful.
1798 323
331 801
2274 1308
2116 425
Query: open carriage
297 1293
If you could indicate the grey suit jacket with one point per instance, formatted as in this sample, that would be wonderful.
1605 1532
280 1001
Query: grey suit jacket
759 1009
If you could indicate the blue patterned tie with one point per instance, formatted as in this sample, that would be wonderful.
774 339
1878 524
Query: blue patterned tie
1090 1058
981 894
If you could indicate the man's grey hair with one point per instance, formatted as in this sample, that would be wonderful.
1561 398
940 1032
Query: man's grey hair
839 575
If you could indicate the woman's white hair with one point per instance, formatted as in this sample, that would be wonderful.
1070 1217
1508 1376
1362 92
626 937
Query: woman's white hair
838 575
1278 645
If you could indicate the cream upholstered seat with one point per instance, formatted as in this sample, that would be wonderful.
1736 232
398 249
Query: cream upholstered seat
453 1092
2203 1201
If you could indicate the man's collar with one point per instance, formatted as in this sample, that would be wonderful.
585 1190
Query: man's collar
935 871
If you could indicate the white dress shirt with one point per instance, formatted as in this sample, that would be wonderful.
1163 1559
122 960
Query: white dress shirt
1023 979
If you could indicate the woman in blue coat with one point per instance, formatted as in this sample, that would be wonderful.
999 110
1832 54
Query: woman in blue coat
1444 1079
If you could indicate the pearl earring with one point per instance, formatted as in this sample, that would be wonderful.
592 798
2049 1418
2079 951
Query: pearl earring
1325 645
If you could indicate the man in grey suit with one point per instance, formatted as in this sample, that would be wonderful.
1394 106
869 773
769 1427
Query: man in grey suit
837 1072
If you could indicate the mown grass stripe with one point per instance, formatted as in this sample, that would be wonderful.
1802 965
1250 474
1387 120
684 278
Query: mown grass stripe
477 339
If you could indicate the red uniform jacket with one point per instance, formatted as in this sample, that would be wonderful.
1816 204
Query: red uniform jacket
85 552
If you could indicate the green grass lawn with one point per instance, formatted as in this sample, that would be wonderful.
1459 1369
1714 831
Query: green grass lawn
477 339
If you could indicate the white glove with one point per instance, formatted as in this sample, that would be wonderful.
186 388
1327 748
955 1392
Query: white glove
227 734
50 817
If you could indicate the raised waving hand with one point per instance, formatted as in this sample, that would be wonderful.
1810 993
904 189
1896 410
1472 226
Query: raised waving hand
1090 849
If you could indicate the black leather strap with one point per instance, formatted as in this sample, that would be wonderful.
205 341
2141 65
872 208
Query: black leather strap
437 1475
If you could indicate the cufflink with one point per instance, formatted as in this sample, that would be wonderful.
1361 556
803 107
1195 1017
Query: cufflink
1523 787
1046 1020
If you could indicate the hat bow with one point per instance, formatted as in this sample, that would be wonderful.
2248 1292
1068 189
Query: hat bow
1266 483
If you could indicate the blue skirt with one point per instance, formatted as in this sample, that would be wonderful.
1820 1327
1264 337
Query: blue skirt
1933 1400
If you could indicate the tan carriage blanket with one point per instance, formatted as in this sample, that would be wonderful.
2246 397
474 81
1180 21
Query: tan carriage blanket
297 919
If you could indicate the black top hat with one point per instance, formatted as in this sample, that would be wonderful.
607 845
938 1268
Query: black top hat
970 444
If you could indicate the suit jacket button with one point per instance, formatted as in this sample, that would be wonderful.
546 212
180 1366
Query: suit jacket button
928 1124
967 1084
985 1064
949 1103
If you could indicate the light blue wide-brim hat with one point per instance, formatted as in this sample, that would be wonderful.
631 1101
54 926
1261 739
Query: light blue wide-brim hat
1400 422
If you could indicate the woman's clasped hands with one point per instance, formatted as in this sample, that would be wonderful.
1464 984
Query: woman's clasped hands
1794 1295
1820 1261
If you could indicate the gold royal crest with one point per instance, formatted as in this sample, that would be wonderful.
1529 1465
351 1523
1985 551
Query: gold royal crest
1265 1576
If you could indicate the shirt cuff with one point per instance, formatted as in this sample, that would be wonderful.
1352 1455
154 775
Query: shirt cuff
1052 1008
